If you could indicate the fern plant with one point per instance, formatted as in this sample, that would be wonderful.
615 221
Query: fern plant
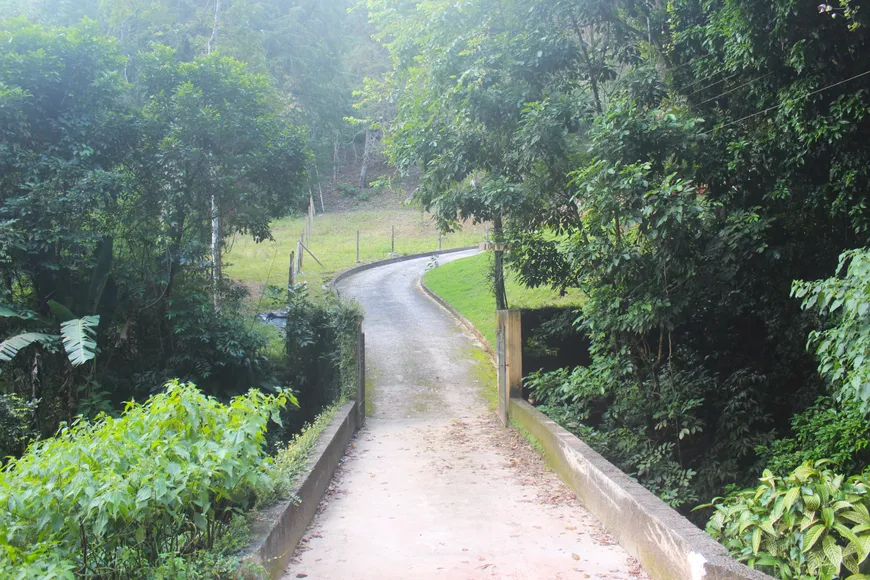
813 523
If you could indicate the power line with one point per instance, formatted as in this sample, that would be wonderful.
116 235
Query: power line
736 88
701 80
779 106
713 84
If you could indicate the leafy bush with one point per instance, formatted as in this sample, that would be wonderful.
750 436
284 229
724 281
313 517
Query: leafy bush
218 349
811 524
320 346
16 425
838 431
119 496
643 434
843 347
348 190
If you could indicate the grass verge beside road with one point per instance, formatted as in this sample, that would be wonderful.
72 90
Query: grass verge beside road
466 286
333 241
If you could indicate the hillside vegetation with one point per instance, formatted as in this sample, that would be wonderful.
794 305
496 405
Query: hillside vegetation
699 171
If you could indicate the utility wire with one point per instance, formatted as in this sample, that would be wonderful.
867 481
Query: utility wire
701 80
779 106
736 88
729 77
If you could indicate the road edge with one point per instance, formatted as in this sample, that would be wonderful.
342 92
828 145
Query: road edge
458 316
669 546
333 284
276 531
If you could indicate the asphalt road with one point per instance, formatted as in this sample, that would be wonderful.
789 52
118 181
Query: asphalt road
433 486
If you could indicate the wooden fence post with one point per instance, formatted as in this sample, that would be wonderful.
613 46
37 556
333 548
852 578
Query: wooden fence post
509 358
291 281
439 241
361 377
308 229
298 257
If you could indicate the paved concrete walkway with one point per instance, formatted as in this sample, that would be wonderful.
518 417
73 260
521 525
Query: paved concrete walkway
434 487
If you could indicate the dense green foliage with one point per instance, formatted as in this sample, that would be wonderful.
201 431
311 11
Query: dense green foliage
682 164
837 432
16 425
844 345
124 497
320 342
105 193
809 524
314 52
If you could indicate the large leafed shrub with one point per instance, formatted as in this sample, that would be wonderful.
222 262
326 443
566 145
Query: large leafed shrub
813 523
119 497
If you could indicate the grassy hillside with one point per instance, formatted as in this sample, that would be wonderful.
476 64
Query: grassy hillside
465 285
333 241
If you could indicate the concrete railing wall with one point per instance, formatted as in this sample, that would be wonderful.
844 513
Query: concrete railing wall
668 546
276 532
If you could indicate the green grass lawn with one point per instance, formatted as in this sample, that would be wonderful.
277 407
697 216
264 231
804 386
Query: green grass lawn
333 241
465 285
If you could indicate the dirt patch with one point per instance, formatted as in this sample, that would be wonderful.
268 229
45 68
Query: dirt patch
344 194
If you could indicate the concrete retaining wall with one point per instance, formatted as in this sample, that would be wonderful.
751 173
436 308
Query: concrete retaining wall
458 316
666 544
357 269
277 531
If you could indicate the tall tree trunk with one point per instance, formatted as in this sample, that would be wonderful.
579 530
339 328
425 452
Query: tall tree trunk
501 302
212 41
216 258
593 74
364 170
335 160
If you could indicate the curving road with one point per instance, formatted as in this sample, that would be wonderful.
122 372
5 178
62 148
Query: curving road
434 487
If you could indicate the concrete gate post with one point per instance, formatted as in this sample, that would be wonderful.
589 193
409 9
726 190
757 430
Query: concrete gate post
509 360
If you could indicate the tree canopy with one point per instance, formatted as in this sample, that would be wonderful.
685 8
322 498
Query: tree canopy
105 197
682 164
